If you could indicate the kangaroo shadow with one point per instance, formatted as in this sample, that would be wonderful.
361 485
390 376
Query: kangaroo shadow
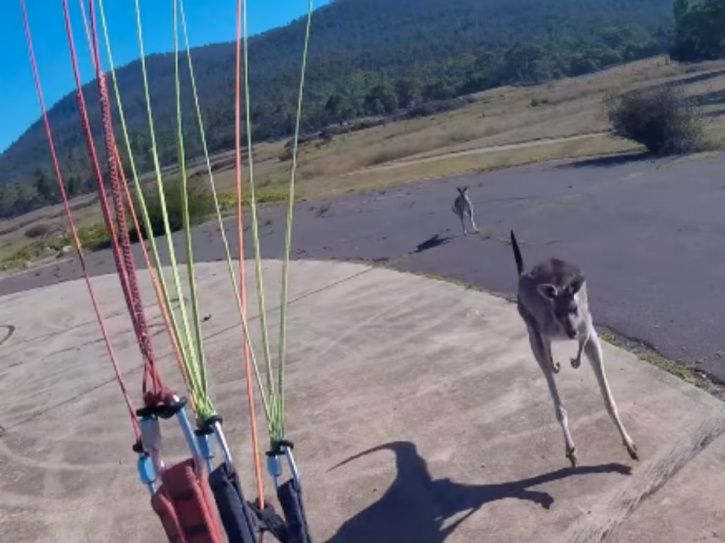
431 243
415 507
10 330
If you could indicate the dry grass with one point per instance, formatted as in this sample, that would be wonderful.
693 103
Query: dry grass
413 171
12 231
531 121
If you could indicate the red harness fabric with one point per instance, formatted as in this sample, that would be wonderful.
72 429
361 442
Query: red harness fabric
163 507
184 505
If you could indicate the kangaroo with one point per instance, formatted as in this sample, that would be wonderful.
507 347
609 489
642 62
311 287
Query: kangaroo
463 208
553 302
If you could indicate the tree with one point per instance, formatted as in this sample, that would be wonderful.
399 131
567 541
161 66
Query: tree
483 72
440 90
485 60
381 100
680 9
609 57
46 188
73 186
27 198
339 108
526 63
408 92
583 64
88 185
699 30
8 199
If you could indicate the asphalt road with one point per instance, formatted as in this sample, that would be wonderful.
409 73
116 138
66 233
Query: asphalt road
649 236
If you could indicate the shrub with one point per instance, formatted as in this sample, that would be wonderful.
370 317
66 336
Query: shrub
201 205
93 237
662 119
227 200
41 230
536 102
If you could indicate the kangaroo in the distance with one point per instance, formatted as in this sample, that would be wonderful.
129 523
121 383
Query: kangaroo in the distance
463 208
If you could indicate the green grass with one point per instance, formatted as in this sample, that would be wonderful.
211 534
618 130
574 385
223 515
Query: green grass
679 370
31 251
95 236
228 200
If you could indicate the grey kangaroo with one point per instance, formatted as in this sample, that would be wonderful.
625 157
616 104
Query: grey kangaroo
552 300
463 208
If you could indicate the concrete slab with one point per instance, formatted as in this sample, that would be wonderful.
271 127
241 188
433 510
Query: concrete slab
436 382
689 508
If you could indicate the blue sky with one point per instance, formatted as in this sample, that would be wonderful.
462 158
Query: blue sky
210 21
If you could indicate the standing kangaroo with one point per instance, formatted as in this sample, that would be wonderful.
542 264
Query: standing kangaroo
552 300
463 208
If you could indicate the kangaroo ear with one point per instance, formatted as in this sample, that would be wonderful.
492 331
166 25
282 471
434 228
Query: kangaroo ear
548 291
576 284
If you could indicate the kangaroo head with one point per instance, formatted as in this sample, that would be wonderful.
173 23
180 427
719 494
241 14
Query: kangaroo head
564 302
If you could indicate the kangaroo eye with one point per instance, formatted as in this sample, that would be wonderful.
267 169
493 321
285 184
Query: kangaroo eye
574 310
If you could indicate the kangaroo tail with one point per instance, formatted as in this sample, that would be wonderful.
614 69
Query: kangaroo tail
517 254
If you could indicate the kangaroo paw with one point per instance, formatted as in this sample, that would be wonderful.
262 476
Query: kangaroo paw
571 455
632 450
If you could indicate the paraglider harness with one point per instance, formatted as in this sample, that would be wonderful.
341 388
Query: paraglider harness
181 494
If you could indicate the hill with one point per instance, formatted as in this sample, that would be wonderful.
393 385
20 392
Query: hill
367 57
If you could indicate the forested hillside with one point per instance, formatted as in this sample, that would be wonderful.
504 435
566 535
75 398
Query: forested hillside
367 57
699 30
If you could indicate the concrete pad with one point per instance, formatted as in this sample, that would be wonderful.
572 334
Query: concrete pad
436 381
689 508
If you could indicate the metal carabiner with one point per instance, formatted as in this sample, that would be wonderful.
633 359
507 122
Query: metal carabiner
217 428
212 425
149 464
274 467
151 440
293 467
146 471
179 408
206 448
